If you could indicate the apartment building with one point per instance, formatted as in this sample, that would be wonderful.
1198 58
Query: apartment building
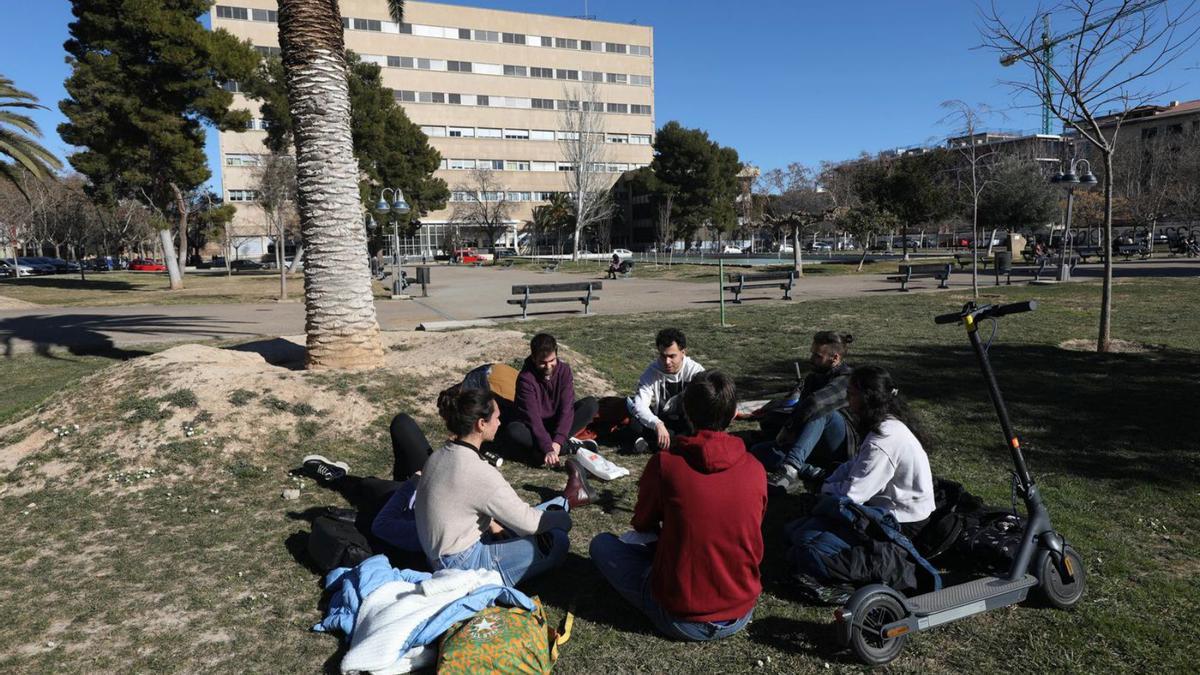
489 88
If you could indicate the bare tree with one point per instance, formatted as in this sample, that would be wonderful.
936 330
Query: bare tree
662 226
1112 48
275 181
796 204
1143 176
583 147
967 119
484 204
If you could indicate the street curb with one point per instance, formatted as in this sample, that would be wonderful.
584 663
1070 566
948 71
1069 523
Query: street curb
436 326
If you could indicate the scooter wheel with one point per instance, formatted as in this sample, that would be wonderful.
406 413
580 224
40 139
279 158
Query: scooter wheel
868 645
1060 592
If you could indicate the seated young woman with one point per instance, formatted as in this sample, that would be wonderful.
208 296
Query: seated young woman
891 468
468 516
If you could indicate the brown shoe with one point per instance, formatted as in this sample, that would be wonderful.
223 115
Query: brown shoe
578 492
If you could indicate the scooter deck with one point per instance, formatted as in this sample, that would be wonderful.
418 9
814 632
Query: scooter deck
975 591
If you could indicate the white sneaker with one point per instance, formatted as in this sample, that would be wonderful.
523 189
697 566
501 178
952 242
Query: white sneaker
641 446
575 445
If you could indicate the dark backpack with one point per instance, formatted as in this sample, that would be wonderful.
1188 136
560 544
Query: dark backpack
336 543
969 534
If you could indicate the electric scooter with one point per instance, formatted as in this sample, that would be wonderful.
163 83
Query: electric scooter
877 620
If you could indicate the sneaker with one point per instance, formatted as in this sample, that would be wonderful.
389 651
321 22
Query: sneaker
323 469
574 445
578 492
785 478
640 446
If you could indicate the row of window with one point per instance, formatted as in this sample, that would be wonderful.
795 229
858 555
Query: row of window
466 196
422 30
419 63
407 96
531 165
243 195
434 131
227 12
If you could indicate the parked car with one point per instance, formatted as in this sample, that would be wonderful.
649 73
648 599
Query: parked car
785 248
147 265
623 253
245 265
819 247
6 269
731 250
465 256
37 265
59 265
505 252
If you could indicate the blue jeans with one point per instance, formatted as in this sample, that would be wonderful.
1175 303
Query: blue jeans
627 568
820 439
518 559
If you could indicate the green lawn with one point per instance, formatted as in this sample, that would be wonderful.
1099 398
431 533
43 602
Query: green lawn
151 288
1110 440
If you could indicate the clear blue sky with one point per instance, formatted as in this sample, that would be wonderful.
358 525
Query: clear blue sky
779 80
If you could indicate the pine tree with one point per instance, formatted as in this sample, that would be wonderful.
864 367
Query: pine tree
146 78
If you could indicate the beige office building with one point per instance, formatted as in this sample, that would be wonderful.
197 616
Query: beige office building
487 87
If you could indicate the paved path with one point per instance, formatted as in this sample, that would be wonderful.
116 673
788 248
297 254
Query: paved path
458 293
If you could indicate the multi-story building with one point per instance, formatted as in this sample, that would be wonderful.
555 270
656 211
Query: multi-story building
489 88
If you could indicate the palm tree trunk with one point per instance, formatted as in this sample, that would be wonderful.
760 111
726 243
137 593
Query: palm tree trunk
340 321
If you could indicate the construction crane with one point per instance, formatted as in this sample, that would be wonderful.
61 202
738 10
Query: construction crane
1047 49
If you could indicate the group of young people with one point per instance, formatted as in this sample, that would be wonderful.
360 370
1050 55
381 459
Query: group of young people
691 561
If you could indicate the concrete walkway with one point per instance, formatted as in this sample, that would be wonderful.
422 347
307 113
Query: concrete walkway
457 293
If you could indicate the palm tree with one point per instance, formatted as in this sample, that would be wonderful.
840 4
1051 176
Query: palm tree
16 131
340 321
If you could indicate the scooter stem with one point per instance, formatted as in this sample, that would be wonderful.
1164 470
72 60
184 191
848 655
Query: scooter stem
1010 436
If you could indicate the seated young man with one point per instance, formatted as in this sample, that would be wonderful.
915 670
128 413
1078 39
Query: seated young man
547 414
705 498
656 413
816 437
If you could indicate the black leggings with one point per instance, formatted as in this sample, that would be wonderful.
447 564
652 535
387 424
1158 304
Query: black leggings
410 449
519 437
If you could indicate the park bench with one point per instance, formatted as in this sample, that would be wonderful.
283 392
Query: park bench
1127 251
939 271
526 290
964 259
1085 252
738 283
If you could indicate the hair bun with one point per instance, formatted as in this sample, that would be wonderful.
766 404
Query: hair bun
448 400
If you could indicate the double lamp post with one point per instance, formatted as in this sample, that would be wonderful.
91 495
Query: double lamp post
1070 180
397 209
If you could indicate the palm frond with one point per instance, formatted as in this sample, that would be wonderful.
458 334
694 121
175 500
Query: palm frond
396 9
11 173
22 122
17 134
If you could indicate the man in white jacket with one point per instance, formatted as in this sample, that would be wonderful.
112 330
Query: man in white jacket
656 409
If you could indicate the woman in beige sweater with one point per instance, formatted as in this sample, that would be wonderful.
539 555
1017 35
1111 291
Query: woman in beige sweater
468 516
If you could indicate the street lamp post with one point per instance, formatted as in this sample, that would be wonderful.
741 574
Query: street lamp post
397 209
1069 181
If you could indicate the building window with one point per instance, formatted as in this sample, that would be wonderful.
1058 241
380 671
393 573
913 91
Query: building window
547 41
640 80
592 76
542 103
517 71
639 139
243 195
268 15
593 106
268 51
566 166
591 46
432 131
494 164
462 132
406 28
541 135
639 50
234 87
462 196
346 22
405 95
639 109
464 33
454 99
242 160
514 38
541 166
517 134
516 165
481 100
487 36
462 164
227 12
368 24
566 43
567 105
618 108
485 132
541 72
393 62
493 196
564 74
617 138
618 78
458 66
439 97
615 48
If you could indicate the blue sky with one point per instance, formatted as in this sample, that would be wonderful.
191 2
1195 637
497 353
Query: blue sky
779 80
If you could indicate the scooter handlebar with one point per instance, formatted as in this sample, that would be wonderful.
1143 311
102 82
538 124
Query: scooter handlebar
987 311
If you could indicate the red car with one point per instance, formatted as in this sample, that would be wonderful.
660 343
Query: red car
466 256
146 265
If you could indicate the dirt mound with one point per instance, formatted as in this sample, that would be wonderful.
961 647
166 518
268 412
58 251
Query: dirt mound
13 303
192 406
1116 346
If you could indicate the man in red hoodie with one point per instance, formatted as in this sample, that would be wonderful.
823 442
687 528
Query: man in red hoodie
704 498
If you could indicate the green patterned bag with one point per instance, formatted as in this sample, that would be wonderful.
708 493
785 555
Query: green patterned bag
502 640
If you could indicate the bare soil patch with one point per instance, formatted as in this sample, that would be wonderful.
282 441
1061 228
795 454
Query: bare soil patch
13 303
1118 346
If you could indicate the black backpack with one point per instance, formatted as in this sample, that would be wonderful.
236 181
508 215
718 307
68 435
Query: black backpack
336 543
969 534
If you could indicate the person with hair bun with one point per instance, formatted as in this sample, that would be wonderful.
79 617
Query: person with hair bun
817 436
468 516
891 468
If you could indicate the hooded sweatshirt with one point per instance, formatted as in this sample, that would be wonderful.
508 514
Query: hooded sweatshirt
546 406
658 392
706 497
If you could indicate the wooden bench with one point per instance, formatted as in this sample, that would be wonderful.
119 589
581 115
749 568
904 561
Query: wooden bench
739 282
1085 252
939 271
964 259
1127 251
526 290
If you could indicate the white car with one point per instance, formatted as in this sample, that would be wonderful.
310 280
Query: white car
732 249
622 253
6 267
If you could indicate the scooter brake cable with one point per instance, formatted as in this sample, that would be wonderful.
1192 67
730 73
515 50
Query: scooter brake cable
995 326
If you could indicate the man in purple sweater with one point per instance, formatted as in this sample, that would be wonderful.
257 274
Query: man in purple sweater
548 416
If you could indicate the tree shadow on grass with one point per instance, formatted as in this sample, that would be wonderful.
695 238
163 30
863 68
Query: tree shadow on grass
71 283
796 636
578 587
1126 417
85 334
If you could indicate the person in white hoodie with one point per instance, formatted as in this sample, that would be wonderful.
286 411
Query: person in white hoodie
656 409
891 468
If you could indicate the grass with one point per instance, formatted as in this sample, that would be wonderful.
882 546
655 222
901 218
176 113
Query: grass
205 569
150 288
